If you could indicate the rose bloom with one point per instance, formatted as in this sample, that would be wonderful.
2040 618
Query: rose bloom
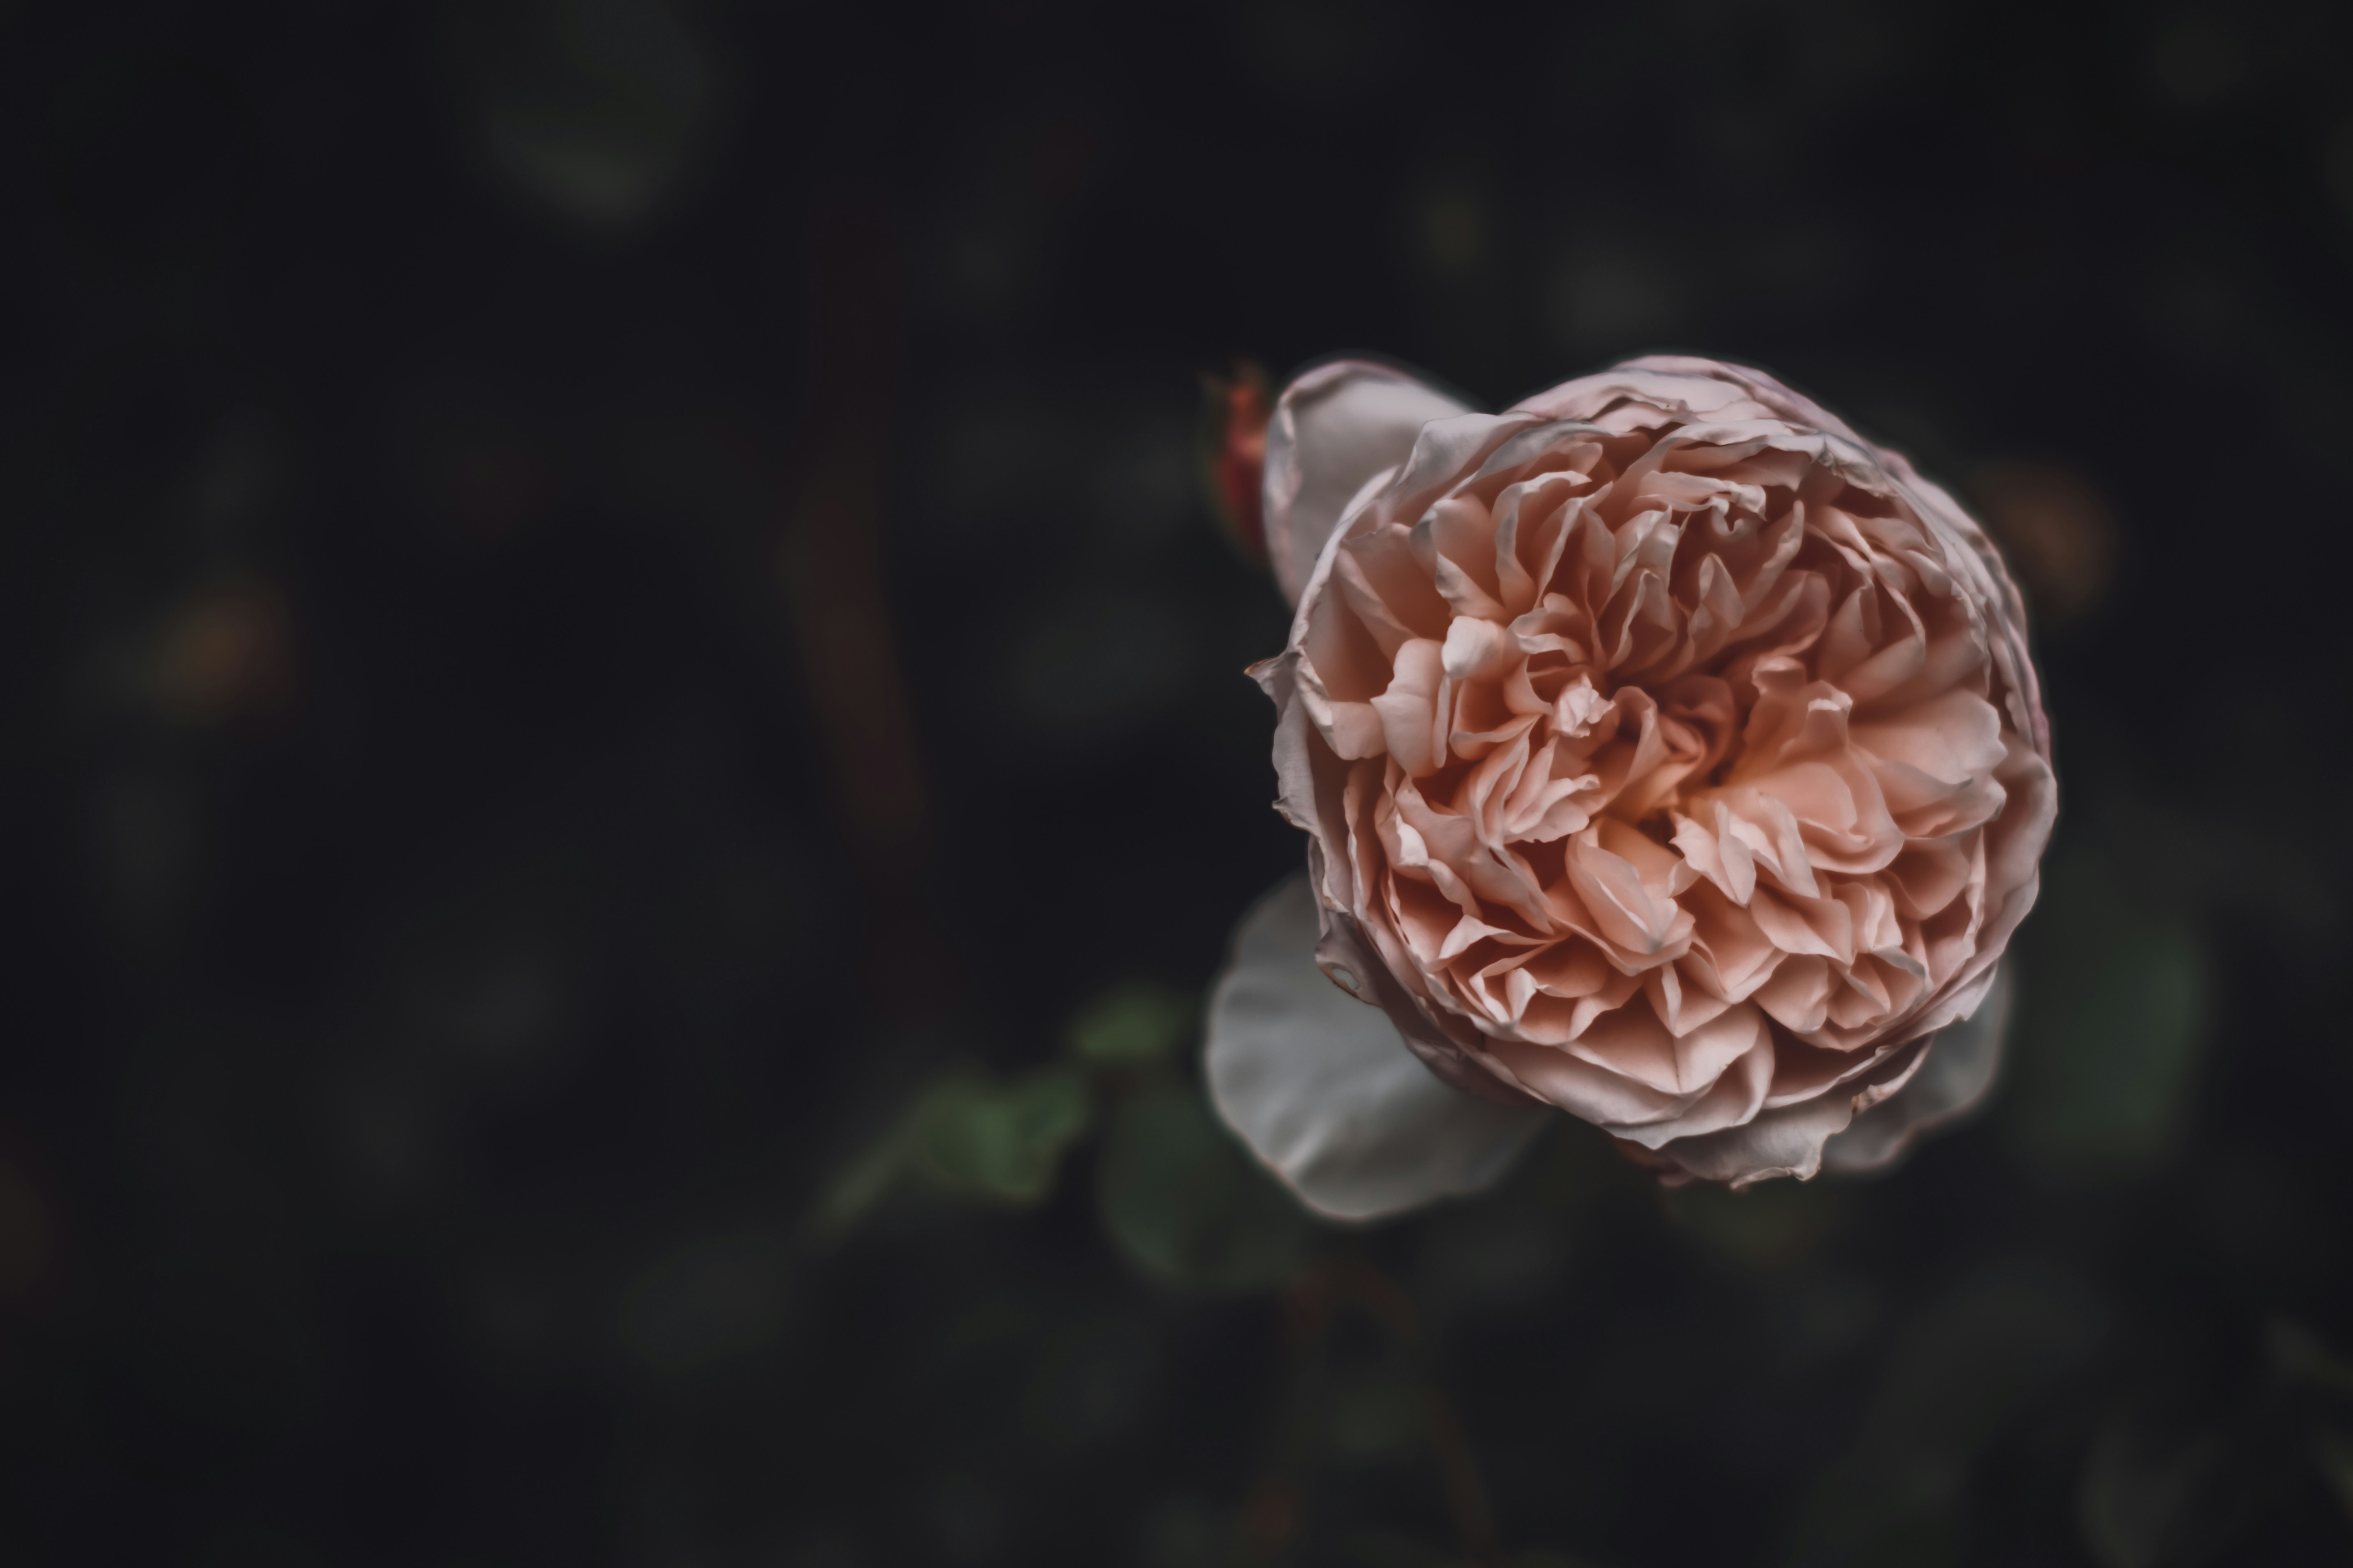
1668 754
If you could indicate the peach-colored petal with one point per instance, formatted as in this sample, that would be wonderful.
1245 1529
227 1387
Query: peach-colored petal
1411 719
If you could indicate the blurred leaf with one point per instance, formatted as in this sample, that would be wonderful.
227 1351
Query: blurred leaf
594 109
862 1184
1131 1024
971 1137
999 1143
2116 989
2160 1496
2303 1356
2332 1451
1966 1367
1186 1206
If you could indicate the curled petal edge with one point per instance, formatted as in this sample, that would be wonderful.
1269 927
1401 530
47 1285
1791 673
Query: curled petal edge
1860 1127
1335 427
1953 1081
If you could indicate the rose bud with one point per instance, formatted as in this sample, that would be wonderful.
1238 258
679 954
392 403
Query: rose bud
1233 451
1668 754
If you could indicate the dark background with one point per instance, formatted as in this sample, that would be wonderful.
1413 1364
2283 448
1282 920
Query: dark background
596 591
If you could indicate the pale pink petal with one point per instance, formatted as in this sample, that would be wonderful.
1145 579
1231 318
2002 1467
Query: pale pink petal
1333 428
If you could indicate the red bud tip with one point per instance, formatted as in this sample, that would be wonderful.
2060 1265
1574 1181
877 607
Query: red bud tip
1237 410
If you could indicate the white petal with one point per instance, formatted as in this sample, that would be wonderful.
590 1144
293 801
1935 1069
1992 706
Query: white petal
1962 1057
1326 1093
1333 428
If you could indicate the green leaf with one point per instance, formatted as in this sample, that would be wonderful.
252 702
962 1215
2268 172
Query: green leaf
999 1144
1131 1025
1186 1206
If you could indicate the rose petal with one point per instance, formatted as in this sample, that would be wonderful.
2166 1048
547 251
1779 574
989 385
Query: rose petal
1333 428
1789 1140
1326 1093
1962 1060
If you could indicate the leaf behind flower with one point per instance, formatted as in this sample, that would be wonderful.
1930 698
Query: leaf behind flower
1185 1206
999 1143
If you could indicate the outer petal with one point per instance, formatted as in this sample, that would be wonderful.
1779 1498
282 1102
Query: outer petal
1324 1091
1335 427
1789 1142
1962 1060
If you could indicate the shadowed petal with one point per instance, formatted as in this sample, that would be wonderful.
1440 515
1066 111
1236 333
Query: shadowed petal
1953 1081
1789 1140
1326 1093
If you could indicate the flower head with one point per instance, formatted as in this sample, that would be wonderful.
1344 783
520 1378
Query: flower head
1668 754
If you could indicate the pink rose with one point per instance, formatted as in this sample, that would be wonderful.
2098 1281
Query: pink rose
1668 754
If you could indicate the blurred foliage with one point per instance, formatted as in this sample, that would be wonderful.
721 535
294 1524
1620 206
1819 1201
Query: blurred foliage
2158 1494
591 108
2173 1479
1180 1200
1969 1364
474 1096
969 1137
1000 1144
1132 1025
1184 1204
